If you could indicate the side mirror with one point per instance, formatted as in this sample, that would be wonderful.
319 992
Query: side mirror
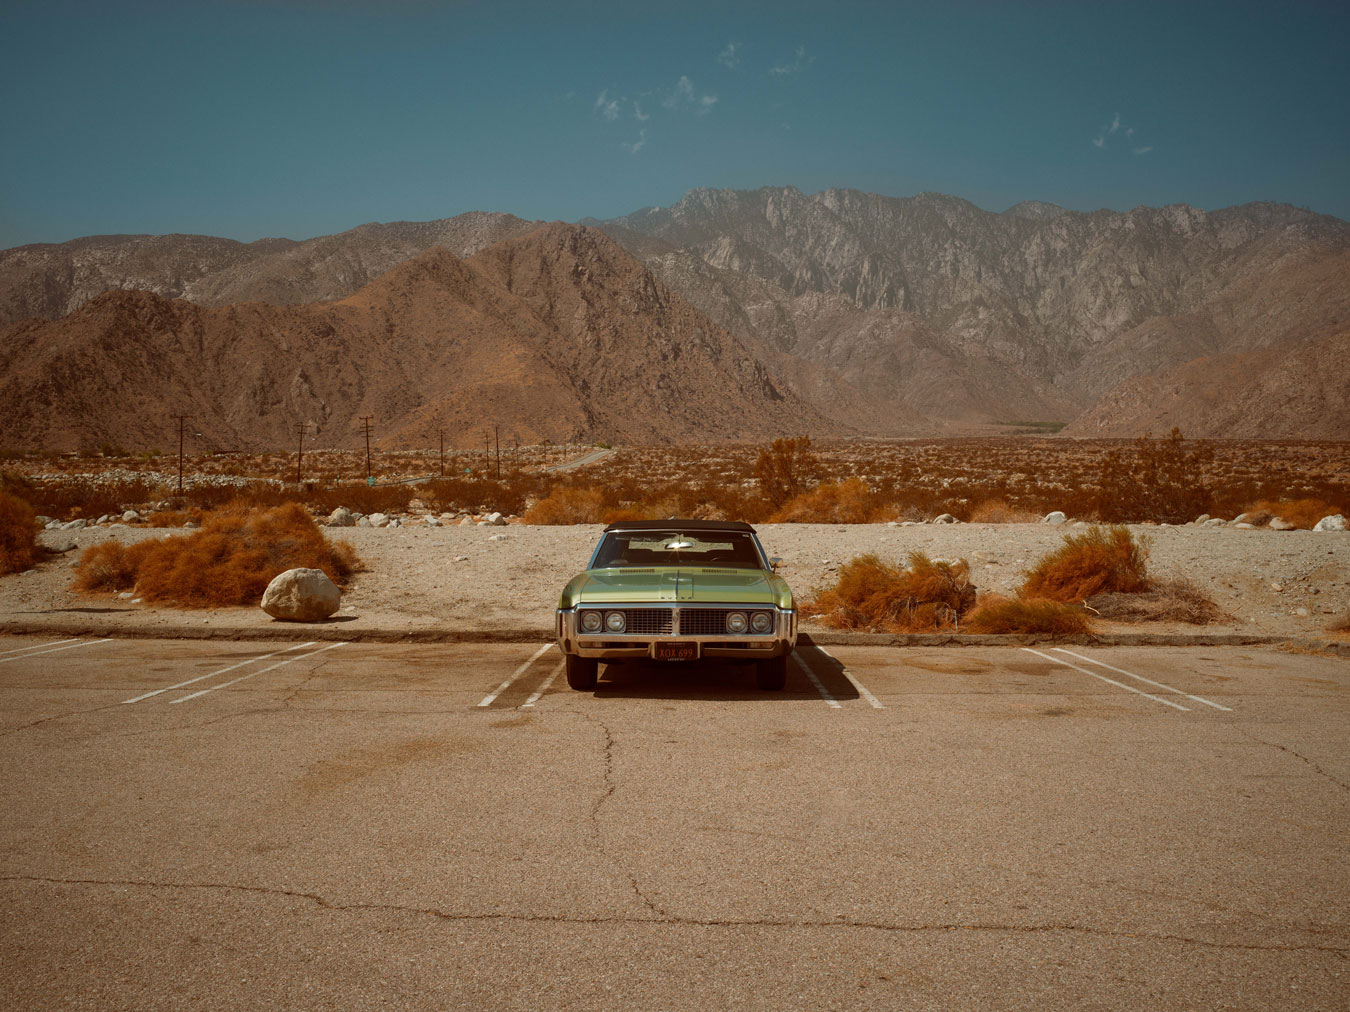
775 562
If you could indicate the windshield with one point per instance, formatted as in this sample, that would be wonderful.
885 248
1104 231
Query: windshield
722 549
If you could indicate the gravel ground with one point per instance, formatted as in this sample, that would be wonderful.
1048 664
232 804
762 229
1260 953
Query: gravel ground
508 578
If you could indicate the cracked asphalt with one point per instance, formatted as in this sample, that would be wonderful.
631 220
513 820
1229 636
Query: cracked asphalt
1123 828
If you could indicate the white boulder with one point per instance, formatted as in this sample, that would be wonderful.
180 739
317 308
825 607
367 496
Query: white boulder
946 518
1331 523
75 525
1215 522
301 595
129 516
1056 518
341 517
363 522
1281 524
496 520
378 520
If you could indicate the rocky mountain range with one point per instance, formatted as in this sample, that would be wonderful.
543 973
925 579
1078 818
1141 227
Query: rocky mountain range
557 334
867 313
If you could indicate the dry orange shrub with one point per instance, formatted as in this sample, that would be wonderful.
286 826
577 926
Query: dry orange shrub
874 595
1100 560
1000 511
996 614
847 502
229 561
570 506
18 534
1302 513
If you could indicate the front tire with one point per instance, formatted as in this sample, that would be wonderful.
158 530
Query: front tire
771 675
582 672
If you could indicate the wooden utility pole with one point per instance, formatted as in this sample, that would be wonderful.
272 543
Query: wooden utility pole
365 424
300 453
497 438
182 421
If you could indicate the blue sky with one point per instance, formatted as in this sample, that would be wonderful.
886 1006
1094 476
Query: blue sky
250 119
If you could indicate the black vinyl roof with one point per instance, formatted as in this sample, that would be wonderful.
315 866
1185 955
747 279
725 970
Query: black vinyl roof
681 525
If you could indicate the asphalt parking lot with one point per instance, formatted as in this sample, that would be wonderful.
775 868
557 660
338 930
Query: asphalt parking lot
250 825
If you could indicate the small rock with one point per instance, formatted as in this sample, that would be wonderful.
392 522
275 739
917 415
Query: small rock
395 523
301 595
1244 526
1302 612
1056 517
378 520
1215 522
1331 523
945 518
1281 524
103 519
1202 518
1277 587
432 522
129 516
496 520
461 558
75 525
44 521
500 537
363 522
466 522
341 517
54 525
126 595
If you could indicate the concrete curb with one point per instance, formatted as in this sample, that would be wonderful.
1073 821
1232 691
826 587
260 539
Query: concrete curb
334 631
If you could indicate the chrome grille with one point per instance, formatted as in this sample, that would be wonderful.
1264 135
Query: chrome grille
705 621
647 621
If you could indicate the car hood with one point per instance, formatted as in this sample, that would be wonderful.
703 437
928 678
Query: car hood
678 585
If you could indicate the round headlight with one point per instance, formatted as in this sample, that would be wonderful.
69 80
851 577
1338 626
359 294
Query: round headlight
761 621
736 622
614 621
590 621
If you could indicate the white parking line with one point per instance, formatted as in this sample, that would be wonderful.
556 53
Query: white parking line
487 700
193 681
35 646
253 674
1112 681
53 650
534 697
862 689
824 693
1141 678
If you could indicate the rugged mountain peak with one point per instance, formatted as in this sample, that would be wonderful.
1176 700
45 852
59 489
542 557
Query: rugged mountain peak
1035 210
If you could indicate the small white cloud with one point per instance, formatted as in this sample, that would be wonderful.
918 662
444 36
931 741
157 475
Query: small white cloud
705 105
684 92
728 57
799 63
1108 131
606 106
1141 151
638 114
633 147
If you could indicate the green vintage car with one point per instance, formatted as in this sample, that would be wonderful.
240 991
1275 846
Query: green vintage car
677 590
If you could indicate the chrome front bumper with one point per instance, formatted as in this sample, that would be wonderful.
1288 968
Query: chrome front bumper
609 646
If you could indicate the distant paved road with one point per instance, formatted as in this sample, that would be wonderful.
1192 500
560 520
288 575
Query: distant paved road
236 825
582 461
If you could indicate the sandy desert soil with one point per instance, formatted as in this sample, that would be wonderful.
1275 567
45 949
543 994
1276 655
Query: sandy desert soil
508 578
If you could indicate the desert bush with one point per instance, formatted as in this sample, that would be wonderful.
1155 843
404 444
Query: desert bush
1161 479
85 497
570 506
229 561
174 518
784 469
1100 560
1003 615
999 511
18 534
876 595
1302 513
845 502
1166 601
